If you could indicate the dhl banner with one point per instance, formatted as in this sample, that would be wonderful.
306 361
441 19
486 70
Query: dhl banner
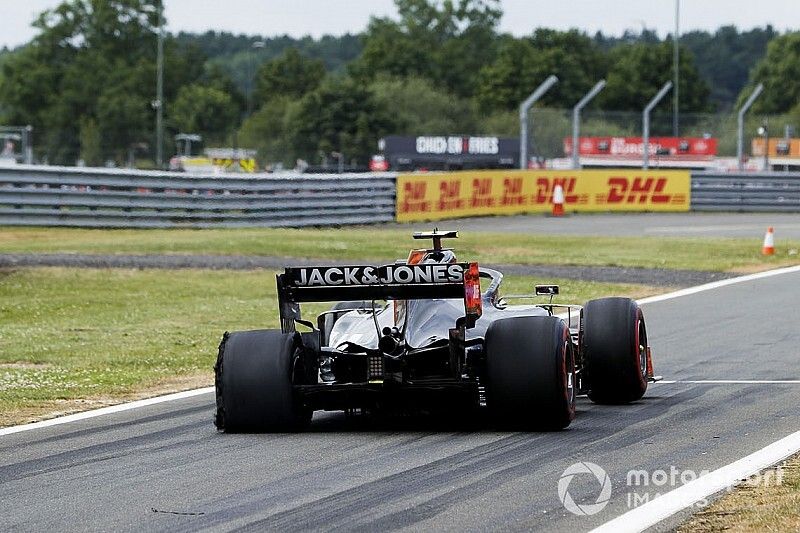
495 192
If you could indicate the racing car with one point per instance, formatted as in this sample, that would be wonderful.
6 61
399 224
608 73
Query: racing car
423 334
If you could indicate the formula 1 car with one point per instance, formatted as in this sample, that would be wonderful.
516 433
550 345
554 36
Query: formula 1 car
421 334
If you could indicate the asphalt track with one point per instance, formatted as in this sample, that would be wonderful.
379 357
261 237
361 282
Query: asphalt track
694 224
164 468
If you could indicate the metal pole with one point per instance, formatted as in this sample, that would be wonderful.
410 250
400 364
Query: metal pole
160 89
28 144
576 120
676 62
740 133
646 123
523 118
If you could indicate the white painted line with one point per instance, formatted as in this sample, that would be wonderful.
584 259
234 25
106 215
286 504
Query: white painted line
732 381
187 394
662 507
718 284
106 410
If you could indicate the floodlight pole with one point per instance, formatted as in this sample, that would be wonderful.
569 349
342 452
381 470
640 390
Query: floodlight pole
646 123
740 132
676 66
523 118
159 103
576 120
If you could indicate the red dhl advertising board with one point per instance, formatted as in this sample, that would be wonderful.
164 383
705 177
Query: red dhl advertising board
496 192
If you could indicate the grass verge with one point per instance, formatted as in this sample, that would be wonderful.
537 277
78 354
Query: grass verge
72 339
361 244
755 507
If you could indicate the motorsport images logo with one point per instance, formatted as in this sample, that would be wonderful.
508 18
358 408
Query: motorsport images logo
599 475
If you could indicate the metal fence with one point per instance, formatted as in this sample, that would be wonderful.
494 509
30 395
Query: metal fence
768 191
57 196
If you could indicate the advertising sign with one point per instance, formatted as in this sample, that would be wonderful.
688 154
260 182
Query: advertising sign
504 192
633 147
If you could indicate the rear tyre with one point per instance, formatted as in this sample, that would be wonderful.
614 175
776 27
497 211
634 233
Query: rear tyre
614 344
253 379
530 373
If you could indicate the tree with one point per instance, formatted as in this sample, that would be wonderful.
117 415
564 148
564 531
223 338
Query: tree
419 108
93 60
779 71
205 110
639 70
288 75
726 57
446 41
269 130
91 142
522 64
340 115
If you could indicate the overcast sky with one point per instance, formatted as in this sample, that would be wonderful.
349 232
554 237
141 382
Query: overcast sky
318 17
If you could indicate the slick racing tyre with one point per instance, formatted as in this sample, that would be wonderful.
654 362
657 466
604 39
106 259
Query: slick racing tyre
253 380
614 343
530 373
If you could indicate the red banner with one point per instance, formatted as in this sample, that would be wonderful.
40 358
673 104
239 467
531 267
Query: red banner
633 147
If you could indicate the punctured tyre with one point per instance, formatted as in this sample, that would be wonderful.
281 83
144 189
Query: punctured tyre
614 345
253 381
530 363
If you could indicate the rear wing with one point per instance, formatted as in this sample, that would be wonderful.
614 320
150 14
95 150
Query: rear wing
389 282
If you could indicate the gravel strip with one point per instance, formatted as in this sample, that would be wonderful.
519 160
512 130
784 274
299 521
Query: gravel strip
644 276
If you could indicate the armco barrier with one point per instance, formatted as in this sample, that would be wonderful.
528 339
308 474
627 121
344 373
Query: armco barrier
65 196
769 191
60 196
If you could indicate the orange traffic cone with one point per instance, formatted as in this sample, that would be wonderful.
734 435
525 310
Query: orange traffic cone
558 200
769 242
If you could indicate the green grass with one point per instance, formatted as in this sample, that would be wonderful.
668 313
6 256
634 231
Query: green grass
359 244
72 335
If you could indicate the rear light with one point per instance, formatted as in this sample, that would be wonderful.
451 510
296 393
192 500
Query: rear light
472 292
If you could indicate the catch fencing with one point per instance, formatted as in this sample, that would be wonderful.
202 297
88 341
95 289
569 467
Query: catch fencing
81 197
60 196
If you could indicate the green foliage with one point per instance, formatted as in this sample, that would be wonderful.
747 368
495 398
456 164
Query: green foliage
290 75
522 64
342 116
725 58
91 142
445 41
207 109
269 130
779 71
639 70
419 108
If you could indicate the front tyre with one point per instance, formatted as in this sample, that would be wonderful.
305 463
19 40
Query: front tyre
614 344
530 372
253 381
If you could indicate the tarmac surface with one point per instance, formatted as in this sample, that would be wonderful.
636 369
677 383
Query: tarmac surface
165 468
694 224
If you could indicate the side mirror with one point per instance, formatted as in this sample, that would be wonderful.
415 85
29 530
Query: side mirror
546 290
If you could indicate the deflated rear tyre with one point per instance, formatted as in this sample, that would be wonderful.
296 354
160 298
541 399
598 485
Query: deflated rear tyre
253 381
530 373
614 343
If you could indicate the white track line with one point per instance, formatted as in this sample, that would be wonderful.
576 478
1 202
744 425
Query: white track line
662 507
105 411
187 394
718 284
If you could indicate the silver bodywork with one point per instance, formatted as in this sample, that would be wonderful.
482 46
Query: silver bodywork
427 322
